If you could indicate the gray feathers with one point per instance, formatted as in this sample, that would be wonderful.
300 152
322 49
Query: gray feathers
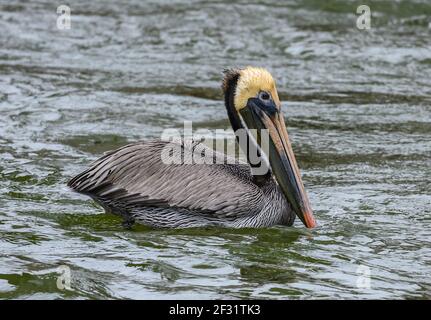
135 183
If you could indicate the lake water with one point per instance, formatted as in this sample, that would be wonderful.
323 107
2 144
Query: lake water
358 110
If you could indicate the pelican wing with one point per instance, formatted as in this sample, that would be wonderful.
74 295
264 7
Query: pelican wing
135 176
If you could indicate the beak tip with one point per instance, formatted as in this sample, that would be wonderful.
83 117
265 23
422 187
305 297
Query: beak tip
309 220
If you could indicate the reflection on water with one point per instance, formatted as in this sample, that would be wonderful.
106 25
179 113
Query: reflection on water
358 112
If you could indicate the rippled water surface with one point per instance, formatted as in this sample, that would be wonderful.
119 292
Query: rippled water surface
357 106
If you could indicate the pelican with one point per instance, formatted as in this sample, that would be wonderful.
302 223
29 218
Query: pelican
134 183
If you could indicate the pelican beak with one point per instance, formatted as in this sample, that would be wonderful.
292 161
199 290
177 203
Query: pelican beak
265 115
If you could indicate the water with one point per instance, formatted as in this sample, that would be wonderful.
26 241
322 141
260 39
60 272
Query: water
357 105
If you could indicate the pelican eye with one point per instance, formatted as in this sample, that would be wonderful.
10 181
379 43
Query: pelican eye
264 96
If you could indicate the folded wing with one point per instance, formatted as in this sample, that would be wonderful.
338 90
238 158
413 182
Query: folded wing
135 176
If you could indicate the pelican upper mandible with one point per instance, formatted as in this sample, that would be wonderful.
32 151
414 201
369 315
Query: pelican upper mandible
136 184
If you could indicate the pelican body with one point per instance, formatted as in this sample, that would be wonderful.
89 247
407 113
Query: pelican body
134 183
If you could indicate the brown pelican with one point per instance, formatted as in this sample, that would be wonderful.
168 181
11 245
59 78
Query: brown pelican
134 183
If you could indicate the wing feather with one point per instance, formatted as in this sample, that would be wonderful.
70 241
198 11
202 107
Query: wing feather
135 175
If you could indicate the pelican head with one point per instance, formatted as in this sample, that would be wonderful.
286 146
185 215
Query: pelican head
252 102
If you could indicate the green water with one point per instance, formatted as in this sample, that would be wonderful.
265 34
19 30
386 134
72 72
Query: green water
357 106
